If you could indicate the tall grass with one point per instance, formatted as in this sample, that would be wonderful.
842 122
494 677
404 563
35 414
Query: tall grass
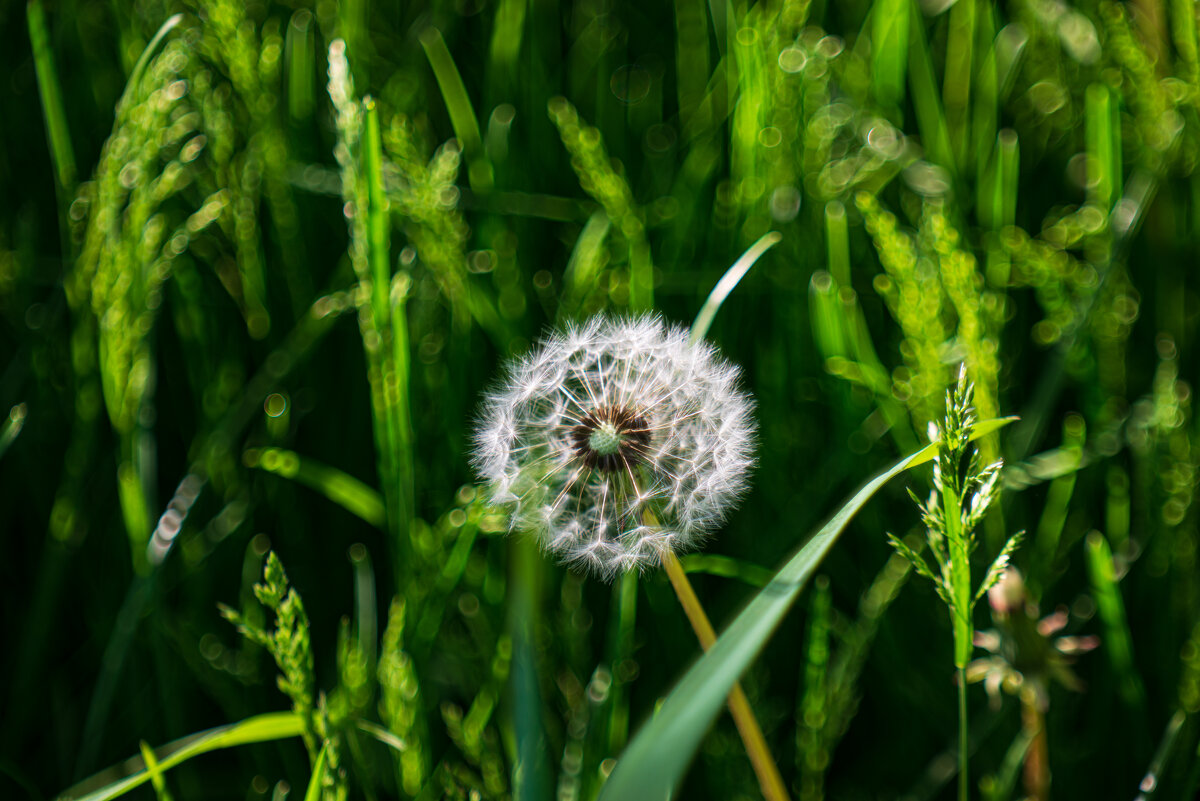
258 263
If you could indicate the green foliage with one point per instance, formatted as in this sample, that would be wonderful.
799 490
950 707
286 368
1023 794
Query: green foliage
963 491
288 643
602 179
868 194
400 706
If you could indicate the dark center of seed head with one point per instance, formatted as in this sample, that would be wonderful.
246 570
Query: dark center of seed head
611 439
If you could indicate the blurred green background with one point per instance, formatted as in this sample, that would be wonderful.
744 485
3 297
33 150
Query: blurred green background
251 293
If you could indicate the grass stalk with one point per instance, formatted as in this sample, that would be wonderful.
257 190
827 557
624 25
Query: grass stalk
53 110
963 736
390 323
531 778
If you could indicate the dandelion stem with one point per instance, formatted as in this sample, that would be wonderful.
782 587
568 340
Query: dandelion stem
739 706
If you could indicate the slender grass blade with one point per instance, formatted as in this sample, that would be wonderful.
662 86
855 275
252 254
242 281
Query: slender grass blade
1118 642
120 779
346 491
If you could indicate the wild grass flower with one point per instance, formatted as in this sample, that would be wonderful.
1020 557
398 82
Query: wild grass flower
616 440
963 491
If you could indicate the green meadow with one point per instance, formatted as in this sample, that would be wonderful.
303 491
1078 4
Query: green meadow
263 264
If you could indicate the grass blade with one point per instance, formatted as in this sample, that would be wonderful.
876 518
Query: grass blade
812 748
729 281
458 105
999 786
381 734
132 86
345 490
691 54
300 50
1058 500
726 567
258 729
52 103
1104 148
1152 781
313 793
1111 609
889 51
957 86
927 100
505 47
586 262
156 777
621 645
531 768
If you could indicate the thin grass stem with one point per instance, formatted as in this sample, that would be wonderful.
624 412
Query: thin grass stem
963 738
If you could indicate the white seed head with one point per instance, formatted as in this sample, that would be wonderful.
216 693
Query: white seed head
615 440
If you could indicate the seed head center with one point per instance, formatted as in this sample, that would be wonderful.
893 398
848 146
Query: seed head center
611 439
606 439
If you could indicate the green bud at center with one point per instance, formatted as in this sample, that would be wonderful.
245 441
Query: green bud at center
606 439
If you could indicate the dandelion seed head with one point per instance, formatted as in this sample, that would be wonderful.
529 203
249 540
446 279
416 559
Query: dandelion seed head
616 440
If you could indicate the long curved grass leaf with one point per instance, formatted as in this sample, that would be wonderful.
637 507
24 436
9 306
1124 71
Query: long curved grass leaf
135 76
258 729
458 105
345 490
655 761
383 735
729 281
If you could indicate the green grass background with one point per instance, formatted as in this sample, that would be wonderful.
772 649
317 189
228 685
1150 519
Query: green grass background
225 294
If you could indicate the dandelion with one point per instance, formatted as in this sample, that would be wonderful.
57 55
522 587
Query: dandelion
616 441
